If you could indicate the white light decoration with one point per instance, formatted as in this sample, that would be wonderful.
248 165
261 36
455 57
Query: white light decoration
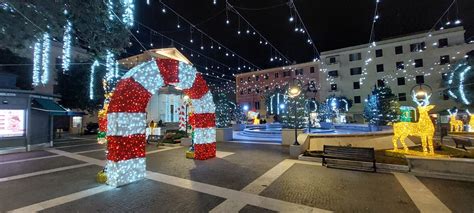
110 9
45 59
461 85
205 135
110 66
125 171
145 74
204 105
186 75
125 124
127 16
67 41
36 63
91 83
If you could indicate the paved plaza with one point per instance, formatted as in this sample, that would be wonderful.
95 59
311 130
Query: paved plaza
243 178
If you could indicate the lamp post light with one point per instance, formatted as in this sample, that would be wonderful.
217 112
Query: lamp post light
293 92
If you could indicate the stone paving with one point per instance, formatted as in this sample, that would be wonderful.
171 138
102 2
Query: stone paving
43 181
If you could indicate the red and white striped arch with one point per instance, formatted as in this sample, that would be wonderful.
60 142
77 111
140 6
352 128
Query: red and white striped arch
126 116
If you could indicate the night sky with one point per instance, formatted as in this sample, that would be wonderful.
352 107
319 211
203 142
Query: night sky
332 24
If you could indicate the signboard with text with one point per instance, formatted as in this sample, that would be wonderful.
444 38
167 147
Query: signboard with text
12 123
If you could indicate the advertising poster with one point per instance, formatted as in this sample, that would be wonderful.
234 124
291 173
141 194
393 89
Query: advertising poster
12 123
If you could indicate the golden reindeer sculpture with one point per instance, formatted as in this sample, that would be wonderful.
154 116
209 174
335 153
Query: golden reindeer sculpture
471 121
424 128
454 125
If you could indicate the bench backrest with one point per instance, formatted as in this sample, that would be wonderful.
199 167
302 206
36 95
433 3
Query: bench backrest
360 153
154 138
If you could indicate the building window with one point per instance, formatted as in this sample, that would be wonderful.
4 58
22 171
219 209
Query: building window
379 67
241 80
241 92
380 83
257 91
266 87
444 59
249 79
276 75
355 57
400 65
402 96
417 47
286 73
333 73
356 71
398 50
311 70
420 79
257 105
378 53
333 87
444 76
265 76
299 72
357 99
442 42
356 85
332 60
257 78
401 81
418 63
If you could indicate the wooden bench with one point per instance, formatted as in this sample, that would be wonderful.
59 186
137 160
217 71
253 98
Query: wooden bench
154 138
462 141
346 155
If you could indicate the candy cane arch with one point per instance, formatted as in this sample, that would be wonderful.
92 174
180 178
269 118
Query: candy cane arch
126 116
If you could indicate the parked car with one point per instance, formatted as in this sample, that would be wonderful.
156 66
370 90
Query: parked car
91 128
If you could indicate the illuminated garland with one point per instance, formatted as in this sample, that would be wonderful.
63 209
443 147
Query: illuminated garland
110 65
110 9
127 16
37 63
45 58
67 41
91 83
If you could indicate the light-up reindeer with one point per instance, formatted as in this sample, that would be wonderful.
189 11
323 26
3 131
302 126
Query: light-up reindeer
455 125
471 121
424 128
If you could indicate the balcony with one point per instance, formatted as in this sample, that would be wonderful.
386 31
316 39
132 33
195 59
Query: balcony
332 66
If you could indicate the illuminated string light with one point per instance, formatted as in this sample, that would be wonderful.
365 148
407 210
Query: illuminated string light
110 9
67 42
110 65
92 79
461 86
127 16
45 58
36 63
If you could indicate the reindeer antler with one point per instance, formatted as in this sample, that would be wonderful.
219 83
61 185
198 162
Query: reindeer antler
424 102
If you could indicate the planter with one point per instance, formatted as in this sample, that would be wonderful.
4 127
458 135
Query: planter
238 127
448 168
295 151
288 136
224 134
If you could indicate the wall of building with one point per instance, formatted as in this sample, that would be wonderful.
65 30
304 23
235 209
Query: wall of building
431 71
252 86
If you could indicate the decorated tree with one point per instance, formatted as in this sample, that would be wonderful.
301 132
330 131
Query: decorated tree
238 114
294 107
333 105
382 107
325 114
458 81
92 26
224 110
274 99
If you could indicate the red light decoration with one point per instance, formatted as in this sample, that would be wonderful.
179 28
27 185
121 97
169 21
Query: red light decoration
198 89
129 96
204 151
169 70
204 120
125 147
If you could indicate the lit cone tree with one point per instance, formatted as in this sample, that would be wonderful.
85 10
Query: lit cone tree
382 107
288 115
224 110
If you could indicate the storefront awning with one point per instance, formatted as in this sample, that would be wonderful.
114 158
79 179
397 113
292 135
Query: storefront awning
49 106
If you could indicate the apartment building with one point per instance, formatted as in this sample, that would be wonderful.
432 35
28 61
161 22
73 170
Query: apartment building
400 63
252 86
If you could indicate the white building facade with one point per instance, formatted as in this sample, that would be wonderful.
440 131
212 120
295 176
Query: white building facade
400 63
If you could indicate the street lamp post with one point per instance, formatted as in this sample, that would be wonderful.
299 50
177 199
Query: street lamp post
293 92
